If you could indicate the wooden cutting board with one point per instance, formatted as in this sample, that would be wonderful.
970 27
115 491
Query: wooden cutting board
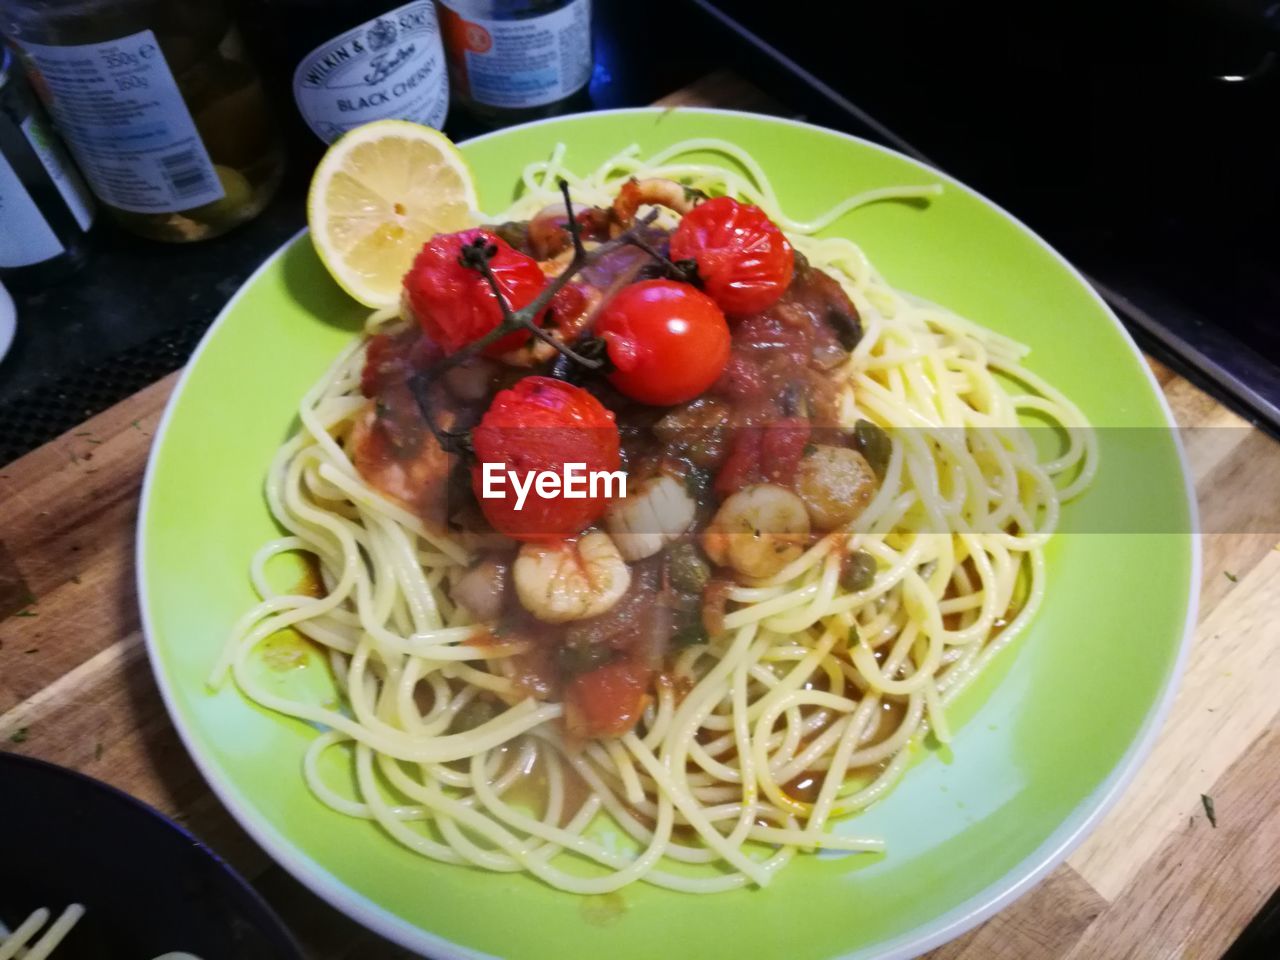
1156 880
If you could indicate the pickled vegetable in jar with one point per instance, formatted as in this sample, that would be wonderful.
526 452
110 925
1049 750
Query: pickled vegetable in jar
159 104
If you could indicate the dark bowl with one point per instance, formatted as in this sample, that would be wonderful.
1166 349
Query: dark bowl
148 886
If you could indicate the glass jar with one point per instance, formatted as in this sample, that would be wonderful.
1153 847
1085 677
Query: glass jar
517 60
160 106
45 207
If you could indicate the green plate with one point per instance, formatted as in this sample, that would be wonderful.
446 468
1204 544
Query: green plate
1046 739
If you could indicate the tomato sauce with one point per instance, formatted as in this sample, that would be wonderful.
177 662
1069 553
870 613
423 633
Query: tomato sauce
753 425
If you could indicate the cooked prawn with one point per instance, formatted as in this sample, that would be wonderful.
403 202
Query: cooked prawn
570 579
549 237
655 192
758 530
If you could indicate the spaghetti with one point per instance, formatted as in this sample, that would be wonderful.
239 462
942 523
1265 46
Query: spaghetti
800 712
26 942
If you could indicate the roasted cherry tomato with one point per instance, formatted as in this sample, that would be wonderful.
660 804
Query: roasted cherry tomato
537 426
667 340
455 304
743 259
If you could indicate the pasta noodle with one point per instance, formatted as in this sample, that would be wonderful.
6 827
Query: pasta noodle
25 942
758 741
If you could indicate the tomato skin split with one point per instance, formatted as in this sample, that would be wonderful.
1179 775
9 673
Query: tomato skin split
455 305
539 425
744 260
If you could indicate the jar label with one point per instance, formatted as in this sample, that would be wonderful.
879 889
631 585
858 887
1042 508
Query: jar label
26 238
119 109
56 163
521 63
391 67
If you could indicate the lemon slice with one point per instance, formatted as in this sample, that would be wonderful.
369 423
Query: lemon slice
381 192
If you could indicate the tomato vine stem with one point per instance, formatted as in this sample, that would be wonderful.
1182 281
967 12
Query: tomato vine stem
476 256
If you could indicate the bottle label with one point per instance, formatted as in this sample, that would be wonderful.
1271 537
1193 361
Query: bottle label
64 176
390 67
522 63
119 109
26 238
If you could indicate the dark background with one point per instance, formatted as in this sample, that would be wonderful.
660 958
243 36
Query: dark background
1139 137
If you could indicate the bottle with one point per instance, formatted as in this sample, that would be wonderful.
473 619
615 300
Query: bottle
347 62
160 106
45 208
515 60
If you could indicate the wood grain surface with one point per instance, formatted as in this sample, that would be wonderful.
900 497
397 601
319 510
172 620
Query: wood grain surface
1156 880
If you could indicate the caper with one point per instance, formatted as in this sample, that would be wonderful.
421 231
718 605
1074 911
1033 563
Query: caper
874 445
858 571
689 573
689 632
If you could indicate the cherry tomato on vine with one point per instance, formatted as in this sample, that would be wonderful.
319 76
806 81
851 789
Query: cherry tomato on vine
744 260
537 426
668 341
455 304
